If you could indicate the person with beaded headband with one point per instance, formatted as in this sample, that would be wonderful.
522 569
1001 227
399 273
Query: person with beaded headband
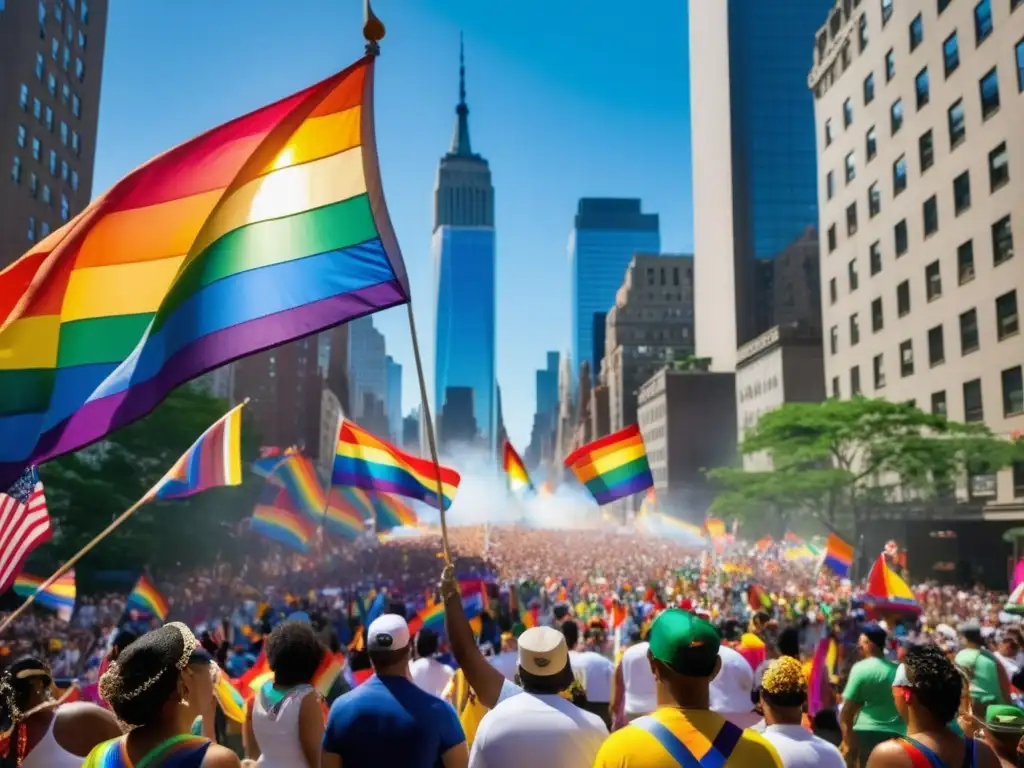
157 687
42 731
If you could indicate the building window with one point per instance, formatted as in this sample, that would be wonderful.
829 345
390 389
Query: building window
942 5
65 207
81 39
968 331
936 346
48 119
872 143
854 330
16 170
63 133
40 66
899 175
76 143
44 229
965 262
46 194
1002 241
64 169
74 181
939 403
22 135
886 10
903 298
982 21
830 185
79 69
877 315
906 358
973 410
869 88
896 116
951 54
855 381
828 132
878 369
989 88
998 167
926 150
916 32
831 238
833 291
890 65
23 97
930 211
76 106
33 184
874 200
847 113
37 109
962 192
851 273
31 229
862 32
54 48
957 126
84 15
875 257
37 149
1020 66
835 387
53 162
851 219
921 88
833 340
851 167
900 236
1013 391
66 59
65 94
1007 321
933 281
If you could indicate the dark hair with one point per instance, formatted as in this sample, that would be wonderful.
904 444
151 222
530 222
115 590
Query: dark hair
935 680
294 653
789 642
546 684
122 640
385 659
426 643
571 632
876 635
16 688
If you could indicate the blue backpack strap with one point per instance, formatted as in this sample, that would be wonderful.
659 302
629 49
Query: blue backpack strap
672 744
970 754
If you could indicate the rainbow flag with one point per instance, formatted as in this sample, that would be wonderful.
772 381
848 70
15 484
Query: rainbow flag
276 518
392 512
613 467
298 476
887 593
214 459
346 518
822 676
432 617
838 555
365 461
270 456
59 596
146 598
230 700
270 227
518 478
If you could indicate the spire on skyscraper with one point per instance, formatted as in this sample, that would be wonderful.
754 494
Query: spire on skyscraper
460 139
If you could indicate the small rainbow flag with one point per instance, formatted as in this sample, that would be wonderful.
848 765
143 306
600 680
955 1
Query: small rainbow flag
838 555
214 459
432 617
346 518
613 467
298 476
392 512
368 462
518 478
59 596
146 598
276 518
887 593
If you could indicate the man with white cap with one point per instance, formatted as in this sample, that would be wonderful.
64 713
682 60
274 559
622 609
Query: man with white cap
389 720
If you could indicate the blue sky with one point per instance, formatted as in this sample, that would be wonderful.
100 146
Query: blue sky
568 99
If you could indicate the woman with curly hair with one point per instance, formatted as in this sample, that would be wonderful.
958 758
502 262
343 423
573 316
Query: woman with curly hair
41 731
157 687
926 692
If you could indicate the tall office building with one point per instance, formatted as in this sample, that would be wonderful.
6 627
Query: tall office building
753 156
543 430
463 250
606 234
919 108
51 64
393 401
367 370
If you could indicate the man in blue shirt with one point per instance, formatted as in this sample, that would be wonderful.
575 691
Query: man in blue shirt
388 720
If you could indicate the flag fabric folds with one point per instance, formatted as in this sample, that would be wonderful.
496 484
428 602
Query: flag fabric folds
613 467
365 461
887 593
262 230
392 512
346 517
298 476
146 598
59 596
276 517
214 459
24 525
518 478
838 556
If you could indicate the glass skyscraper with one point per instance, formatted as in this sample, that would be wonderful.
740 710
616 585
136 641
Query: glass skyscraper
463 248
606 234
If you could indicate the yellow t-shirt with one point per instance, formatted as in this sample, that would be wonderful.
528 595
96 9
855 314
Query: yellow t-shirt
469 708
633 747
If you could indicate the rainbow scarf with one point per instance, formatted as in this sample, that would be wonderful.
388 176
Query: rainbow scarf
182 751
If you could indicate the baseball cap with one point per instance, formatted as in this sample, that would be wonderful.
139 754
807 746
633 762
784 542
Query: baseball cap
1004 718
387 633
686 643
543 652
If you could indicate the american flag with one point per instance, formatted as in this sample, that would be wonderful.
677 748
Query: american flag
24 525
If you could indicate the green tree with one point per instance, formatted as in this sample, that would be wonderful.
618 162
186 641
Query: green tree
831 459
86 490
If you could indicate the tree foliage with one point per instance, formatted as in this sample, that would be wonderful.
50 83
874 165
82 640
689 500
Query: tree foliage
839 455
86 490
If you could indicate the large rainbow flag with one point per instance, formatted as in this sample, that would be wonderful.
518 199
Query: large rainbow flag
613 467
262 230
58 596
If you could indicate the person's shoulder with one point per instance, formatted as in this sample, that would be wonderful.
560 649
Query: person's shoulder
621 745
890 752
220 757
754 749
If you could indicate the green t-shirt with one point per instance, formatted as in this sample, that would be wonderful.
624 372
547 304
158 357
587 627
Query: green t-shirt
870 685
981 668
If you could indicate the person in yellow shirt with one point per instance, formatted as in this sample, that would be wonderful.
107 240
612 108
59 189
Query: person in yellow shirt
683 732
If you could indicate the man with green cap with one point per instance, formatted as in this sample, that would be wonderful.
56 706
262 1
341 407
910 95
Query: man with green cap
683 731
1004 729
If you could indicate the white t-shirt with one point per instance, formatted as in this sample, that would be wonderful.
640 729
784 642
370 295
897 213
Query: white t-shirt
641 693
540 731
799 748
595 673
507 663
431 675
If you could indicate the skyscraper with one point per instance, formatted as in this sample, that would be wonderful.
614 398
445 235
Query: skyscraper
606 234
393 401
51 63
753 149
367 370
464 252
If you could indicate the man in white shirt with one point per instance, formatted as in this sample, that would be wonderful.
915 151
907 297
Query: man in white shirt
636 692
783 695
594 672
731 688
426 671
